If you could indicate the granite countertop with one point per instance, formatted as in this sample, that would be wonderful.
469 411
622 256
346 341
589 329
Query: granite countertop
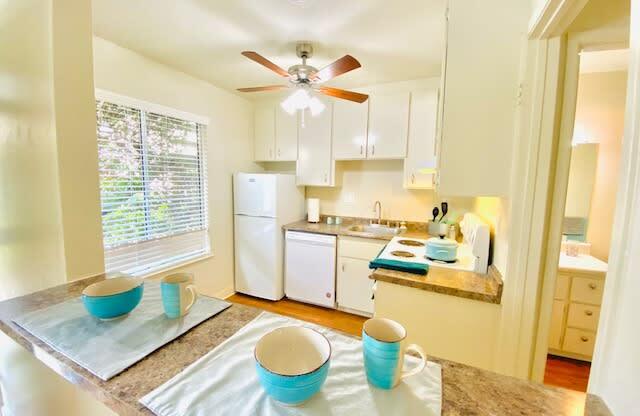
466 390
464 284
470 285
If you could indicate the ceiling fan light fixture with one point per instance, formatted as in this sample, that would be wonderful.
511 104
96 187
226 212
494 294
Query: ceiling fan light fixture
316 106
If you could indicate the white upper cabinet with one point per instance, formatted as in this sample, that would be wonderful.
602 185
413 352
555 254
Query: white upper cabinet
388 123
286 148
315 166
350 130
264 132
421 152
480 96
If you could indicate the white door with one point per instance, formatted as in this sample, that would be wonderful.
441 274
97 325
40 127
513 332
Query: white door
286 135
258 259
421 148
314 165
255 194
388 124
264 132
355 289
350 130
310 268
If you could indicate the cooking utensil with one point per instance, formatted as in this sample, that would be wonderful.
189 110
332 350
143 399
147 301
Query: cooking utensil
441 249
435 213
445 209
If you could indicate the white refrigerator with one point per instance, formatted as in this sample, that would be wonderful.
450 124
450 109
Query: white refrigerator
263 203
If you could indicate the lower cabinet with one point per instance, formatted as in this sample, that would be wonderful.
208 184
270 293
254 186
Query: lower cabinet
354 289
575 314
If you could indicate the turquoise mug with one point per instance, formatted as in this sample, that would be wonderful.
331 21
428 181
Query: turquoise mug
384 346
178 294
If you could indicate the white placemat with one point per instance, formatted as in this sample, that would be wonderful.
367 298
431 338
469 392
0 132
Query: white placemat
224 382
106 348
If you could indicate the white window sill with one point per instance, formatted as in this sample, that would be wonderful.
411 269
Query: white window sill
177 265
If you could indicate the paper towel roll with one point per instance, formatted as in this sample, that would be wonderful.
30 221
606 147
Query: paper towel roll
313 210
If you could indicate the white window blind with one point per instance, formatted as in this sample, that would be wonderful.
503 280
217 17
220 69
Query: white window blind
152 187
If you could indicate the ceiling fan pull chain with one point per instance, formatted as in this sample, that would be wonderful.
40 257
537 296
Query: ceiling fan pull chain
302 118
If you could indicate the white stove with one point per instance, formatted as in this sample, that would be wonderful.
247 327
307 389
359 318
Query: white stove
472 255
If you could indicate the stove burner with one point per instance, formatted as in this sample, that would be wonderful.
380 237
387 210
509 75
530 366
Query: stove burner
441 261
400 253
411 243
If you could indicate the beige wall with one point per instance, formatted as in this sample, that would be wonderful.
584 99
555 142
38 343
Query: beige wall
364 182
32 241
230 143
600 113
582 176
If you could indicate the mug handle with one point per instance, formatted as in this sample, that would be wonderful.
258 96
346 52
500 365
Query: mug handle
417 349
194 296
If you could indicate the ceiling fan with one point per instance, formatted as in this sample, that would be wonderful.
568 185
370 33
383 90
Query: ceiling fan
305 78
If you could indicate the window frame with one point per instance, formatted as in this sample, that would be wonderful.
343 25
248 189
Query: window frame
144 108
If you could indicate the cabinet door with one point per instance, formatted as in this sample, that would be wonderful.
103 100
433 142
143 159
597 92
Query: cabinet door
350 130
480 96
286 135
388 124
314 167
354 288
557 324
421 148
264 132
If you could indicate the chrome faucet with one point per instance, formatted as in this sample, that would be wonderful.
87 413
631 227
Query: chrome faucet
377 208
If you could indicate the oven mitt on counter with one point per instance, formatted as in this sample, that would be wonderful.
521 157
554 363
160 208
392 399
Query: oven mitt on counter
401 266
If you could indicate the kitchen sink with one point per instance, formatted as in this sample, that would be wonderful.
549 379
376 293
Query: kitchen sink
375 229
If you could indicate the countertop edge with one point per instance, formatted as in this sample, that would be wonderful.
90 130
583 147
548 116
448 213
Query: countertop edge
493 298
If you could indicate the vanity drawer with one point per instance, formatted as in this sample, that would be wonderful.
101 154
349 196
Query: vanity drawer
562 287
360 248
578 341
585 290
583 316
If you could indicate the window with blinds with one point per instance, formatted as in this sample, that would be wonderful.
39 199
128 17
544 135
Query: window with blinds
152 187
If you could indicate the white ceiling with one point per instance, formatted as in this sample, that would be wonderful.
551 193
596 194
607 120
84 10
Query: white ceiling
393 40
604 61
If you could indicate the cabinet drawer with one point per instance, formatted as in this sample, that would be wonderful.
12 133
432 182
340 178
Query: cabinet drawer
586 290
562 287
359 248
583 316
579 341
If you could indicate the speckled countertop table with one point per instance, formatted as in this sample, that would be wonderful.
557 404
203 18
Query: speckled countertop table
466 390
464 284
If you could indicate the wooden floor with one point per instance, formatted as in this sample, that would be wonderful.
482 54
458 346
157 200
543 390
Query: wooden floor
567 373
331 318
561 372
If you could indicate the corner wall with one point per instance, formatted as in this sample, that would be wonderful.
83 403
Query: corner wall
230 142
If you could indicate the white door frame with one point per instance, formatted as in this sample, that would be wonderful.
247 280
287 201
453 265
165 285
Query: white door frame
612 38
532 189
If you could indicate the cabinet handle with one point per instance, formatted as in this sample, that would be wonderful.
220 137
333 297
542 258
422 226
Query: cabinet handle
592 286
588 312
278 152
361 149
342 266
584 339
325 178
413 178
373 149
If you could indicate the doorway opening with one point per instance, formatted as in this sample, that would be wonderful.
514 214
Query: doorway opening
587 223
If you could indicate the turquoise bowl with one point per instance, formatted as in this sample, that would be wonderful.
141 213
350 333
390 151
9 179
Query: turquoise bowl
292 363
113 298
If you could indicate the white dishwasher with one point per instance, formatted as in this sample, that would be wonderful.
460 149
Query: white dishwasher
310 268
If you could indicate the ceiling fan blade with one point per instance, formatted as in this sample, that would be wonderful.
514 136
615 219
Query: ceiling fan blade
265 88
256 57
343 94
345 64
